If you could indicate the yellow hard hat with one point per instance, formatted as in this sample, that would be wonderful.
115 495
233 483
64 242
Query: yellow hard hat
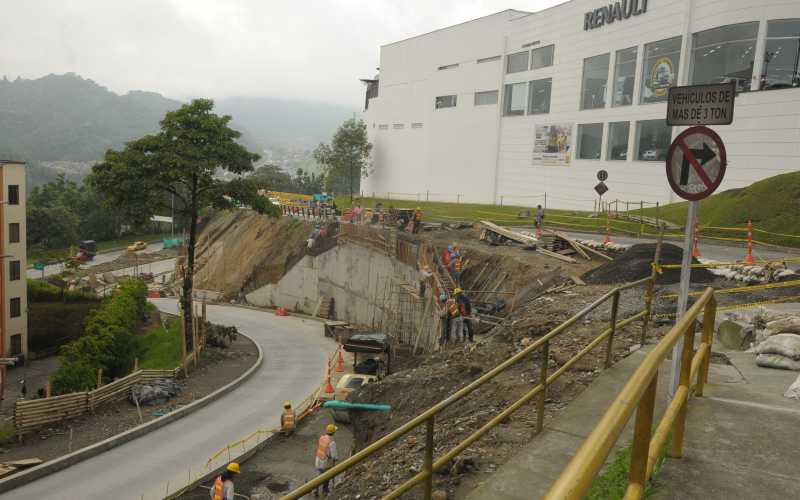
457 291
287 404
233 467
330 429
419 208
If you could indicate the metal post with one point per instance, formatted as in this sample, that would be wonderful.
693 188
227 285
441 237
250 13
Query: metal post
679 427
683 297
429 457
501 201
427 196
658 214
641 438
545 200
543 365
641 218
610 346
709 315
648 298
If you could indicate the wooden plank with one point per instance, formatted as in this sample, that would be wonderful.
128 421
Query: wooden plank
574 244
22 463
576 280
592 250
555 255
511 235
6 470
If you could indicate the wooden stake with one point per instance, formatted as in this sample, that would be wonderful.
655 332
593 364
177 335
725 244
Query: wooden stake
183 345
99 377
48 389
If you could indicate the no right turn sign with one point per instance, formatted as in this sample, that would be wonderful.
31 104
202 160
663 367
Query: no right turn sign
696 163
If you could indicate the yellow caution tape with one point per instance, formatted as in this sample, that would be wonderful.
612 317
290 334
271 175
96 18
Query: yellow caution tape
765 286
733 307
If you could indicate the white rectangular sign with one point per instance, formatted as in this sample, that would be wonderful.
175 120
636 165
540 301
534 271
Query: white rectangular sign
701 104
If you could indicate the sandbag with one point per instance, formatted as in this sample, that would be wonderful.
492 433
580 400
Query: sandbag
793 392
789 324
785 344
777 361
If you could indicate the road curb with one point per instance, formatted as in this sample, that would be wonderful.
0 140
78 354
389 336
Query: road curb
77 456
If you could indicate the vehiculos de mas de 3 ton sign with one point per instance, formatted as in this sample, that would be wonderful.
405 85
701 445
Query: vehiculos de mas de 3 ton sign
617 11
701 104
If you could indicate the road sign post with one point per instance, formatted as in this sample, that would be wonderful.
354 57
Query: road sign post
696 163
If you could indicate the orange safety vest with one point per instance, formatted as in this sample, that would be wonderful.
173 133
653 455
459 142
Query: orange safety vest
418 215
454 310
322 447
288 419
459 265
218 488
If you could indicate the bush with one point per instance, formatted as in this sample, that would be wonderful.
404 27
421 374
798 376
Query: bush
41 291
220 336
53 324
108 343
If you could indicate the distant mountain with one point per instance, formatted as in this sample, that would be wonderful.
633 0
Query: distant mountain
285 123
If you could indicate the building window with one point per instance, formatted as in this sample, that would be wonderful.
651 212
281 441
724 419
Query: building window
725 54
13 232
383 126
448 66
486 97
13 195
542 57
590 140
13 270
652 140
660 69
624 77
16 307
514 99
446 101
488 59
517 62
617 148
595 78
781 68
16 344
416 125
398 126
539 96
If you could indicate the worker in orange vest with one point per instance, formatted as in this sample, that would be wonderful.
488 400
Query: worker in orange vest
458 268
456 320
417 219
326 456
288 419
223 484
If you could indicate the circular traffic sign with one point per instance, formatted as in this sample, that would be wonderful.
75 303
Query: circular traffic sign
602 175
696 163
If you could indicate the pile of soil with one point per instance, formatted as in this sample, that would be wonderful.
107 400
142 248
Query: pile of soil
635 264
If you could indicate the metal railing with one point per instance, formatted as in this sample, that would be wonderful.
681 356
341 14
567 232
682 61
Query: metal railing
542 346
639 393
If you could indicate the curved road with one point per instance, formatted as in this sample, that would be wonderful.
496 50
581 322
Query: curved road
295 352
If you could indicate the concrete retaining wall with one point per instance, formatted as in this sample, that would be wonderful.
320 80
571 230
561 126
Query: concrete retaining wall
354 276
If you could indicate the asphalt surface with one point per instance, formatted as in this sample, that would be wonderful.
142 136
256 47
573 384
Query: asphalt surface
295 352
100 258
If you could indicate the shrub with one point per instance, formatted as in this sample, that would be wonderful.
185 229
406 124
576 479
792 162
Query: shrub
108 342
220 336
42 291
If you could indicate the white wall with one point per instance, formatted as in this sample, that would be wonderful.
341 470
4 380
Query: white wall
455 151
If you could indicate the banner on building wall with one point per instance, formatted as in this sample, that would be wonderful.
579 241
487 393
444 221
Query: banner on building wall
552 144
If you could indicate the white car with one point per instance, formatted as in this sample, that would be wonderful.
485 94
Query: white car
650 154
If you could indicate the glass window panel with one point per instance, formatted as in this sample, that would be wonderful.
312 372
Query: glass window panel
542 57
660 69
595 78
617 148
781 67
653 139
539 98
517 62
590 139
725 54
445 101
624 76
486 97
514 99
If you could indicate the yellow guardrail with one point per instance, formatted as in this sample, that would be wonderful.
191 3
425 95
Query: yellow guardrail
540 346
639 394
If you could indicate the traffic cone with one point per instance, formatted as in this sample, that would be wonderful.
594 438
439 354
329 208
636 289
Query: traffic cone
696 245
607 236
328 385
538 232
749 257
340 361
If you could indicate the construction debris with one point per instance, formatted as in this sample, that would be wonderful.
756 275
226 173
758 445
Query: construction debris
155 392
498 235
636 263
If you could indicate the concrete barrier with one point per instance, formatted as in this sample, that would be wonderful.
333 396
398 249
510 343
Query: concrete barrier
61 463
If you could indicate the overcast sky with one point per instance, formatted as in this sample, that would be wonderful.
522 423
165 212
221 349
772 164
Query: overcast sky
307 49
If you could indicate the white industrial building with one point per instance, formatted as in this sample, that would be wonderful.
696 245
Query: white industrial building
513 105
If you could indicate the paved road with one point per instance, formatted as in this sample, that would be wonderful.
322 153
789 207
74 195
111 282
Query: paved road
295 352
100 258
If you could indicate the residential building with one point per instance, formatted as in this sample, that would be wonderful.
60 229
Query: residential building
13 282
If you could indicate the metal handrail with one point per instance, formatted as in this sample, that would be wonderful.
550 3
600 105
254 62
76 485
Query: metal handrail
428 417
639 393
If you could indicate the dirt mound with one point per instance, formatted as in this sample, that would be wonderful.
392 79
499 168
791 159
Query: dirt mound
635 264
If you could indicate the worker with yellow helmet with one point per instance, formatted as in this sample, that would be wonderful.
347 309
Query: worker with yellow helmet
456 320
223 484
326 456
417 219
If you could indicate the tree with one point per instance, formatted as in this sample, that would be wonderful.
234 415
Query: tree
181 161
346 159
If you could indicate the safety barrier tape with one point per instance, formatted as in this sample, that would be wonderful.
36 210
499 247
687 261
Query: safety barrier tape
728 264
733 307
765 286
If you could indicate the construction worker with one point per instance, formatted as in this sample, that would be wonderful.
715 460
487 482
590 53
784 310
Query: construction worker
465 308
539 217
326 456
425 276
417 219
446 253
456 320
458 268
288 419
223 484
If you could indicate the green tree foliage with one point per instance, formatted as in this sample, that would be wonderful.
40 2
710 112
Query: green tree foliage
108 341
181 162
346 159
274 178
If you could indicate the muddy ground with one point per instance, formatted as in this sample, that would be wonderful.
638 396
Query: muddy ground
217 367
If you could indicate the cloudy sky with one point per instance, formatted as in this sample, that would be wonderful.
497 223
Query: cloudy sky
307 49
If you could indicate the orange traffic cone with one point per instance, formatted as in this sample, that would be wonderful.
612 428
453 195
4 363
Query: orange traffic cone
607 236
749 257
340 361
328 385
696 245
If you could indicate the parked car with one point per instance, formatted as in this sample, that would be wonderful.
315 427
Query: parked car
350 382
136 246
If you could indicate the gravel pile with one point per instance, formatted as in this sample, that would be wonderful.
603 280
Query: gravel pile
635 264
